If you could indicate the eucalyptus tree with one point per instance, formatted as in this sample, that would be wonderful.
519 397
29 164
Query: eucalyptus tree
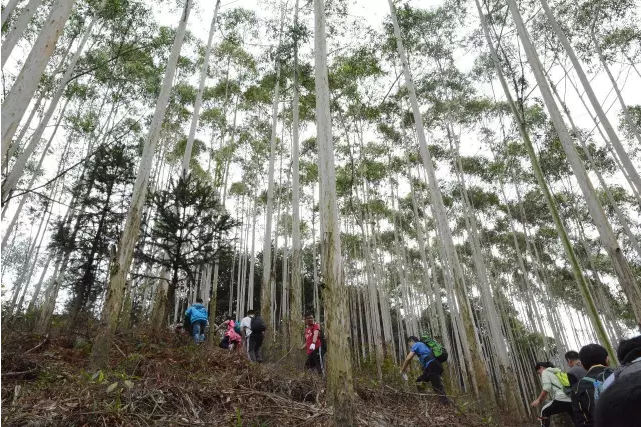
560 227
266 281
619 261
18 167
339 370
596 105
120 265
17 100
18 27
478 373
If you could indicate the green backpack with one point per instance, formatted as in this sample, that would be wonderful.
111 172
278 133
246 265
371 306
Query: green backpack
440 353
565 382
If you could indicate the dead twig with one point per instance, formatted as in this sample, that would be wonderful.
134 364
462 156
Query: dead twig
121 352
39 345
17 374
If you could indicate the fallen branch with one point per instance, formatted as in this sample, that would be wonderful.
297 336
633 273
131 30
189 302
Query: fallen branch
39 345
17 374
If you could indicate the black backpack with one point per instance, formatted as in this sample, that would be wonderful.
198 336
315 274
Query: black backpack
257 325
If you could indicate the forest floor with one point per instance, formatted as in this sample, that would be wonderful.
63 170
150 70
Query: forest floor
168 381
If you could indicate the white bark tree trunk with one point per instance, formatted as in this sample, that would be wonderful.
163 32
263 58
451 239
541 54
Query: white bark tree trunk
122 260
576 268
625 159
199 95
451 257
18 168
8 10
596 105
266 284
18 28
34 177
619 262
339 369
18 98
295 326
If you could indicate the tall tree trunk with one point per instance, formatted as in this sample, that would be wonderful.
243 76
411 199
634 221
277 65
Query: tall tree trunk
120 265
18 168
199 95
252 263
34 177
25 85
12 148
560 228
443 226
606 189
619 262
295 326
266 283
8 10
19 26
339 368
623 155
596 105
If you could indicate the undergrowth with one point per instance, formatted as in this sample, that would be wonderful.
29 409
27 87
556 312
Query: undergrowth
165 380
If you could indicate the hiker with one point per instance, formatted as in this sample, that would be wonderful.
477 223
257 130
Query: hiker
312 344
232 338
257 330
576 371
559 402
245 328
595 359
432 368
629 354
198 318
618 406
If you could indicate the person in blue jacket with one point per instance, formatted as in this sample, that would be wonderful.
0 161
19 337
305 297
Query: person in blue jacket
432 368
199 319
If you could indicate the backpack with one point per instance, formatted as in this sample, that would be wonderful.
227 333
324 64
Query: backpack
597 382
565 382
237 328
257 325
439 352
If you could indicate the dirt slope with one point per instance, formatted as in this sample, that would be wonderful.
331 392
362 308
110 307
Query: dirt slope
168 382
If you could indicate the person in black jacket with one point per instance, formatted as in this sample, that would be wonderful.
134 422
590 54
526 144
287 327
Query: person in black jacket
619 405
594 358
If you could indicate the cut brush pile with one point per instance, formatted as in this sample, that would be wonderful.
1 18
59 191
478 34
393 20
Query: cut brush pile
168 382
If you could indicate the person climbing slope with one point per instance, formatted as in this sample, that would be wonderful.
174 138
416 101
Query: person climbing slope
232 339
198 316
432 368
313 344
554 384
245 327
576 371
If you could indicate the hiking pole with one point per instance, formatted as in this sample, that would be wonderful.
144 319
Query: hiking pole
320 356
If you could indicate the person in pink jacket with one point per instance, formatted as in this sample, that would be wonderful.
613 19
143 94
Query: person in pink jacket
232 338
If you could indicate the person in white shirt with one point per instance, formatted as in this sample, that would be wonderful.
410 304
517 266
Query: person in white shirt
245 327
558 402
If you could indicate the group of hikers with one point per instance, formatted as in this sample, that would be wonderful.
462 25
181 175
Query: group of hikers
590 392
248 335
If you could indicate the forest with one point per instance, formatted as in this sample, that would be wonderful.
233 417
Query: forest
467 170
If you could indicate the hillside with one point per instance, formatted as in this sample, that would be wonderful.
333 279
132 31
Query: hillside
168 382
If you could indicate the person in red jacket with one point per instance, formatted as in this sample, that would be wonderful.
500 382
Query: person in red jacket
313 344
